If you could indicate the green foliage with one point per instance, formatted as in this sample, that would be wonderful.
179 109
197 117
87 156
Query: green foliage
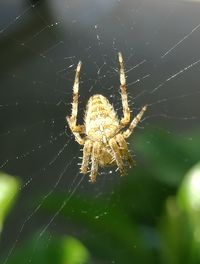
151 216
168 157
48 249
9 187
181 223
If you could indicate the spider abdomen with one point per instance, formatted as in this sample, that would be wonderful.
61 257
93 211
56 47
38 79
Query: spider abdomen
101 121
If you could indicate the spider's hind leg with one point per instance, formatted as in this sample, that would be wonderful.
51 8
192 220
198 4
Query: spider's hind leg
117 155
95 161
87 150
124 149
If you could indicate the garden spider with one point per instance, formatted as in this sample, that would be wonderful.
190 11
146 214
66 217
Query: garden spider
104 141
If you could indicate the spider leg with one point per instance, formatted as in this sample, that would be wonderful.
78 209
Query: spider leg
126 110
117 155
95 161
87 150
77 135
134 123
72 120
124 148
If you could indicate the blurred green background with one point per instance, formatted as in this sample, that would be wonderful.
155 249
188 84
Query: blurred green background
152 216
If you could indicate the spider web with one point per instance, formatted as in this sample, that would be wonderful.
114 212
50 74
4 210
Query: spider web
41 43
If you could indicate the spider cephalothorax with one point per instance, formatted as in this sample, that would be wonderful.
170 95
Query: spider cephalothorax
103 138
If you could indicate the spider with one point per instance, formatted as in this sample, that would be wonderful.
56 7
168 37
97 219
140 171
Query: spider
104 137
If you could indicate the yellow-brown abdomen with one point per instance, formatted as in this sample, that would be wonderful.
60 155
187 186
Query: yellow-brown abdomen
100 119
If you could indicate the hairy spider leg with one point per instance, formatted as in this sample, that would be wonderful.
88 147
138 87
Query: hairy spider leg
116 153
124 148
87 150
134 123
95 161
72 120
126 110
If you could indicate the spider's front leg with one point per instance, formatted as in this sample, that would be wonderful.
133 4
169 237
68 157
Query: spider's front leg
74 130
126 111
72 120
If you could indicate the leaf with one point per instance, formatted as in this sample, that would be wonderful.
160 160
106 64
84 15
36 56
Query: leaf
175 235
9 188
189 194
109 226
50 249
189 202
167 156
74 252
180 225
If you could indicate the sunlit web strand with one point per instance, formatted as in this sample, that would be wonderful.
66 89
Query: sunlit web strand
50 121
51 140
175 75
43 169
44 21
64 203
16 19
40 54
136 66
23 44
116 70
26 129
180 41
18 104
174 98
139 79
171 117
41 31
39 205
